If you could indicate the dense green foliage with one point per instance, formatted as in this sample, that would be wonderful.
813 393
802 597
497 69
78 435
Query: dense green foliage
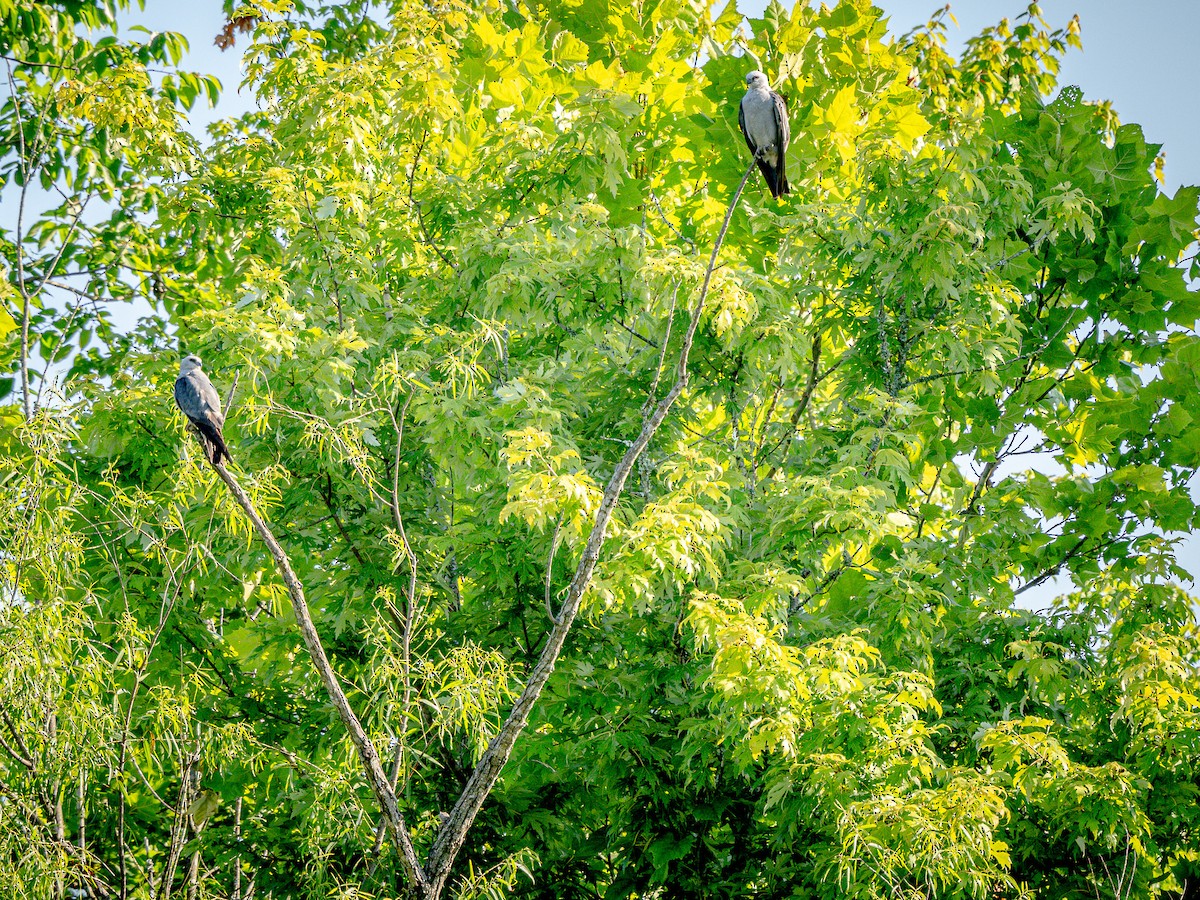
450 262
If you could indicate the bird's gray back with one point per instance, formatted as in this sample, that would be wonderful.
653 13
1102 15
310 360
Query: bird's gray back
198 398
758 112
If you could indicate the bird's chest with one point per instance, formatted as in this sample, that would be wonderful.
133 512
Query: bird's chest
759 112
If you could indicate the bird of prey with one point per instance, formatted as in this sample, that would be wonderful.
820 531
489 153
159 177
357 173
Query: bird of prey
198 400
763 120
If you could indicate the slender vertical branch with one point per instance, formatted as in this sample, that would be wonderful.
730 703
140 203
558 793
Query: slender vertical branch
230 393
554 540
410 607
193 882
237 859
81 814
416 204
37 402
337 288
408 620
18 239
453 832
56 791
381 828
662 353
26 400
178 834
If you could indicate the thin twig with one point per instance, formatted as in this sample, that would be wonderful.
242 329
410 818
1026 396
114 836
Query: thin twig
164 613
667 222
25 758
408 620
42 285
1053 570
178 828
637 334
229 394
337 288
381 828
802 404
416 204
550 568
39 65
18 240
237 839
662 353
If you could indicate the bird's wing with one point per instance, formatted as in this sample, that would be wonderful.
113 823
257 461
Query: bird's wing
187 398
198 399
212 400
781 123
742 125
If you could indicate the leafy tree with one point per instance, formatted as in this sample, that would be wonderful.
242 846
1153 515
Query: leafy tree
598 526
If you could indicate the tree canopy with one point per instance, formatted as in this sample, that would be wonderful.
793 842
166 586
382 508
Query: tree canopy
598 526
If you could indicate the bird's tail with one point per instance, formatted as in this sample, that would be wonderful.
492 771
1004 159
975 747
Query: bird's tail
780 186
777 182
213 443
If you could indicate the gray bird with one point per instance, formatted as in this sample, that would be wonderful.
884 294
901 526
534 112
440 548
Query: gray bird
199 401
763 120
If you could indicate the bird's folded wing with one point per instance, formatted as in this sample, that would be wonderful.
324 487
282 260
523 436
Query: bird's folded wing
781 121
195 399
742 125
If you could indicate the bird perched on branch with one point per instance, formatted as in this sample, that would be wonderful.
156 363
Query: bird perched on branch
199 401
763 120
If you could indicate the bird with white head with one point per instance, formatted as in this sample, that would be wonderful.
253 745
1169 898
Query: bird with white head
762 117
198 400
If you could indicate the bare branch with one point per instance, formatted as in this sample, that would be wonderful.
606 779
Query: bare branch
667 222
1054 569
39 65
18 240
25 758
637 334
814 378
168 603
237 860
408 620
230 393
178 828
368 755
